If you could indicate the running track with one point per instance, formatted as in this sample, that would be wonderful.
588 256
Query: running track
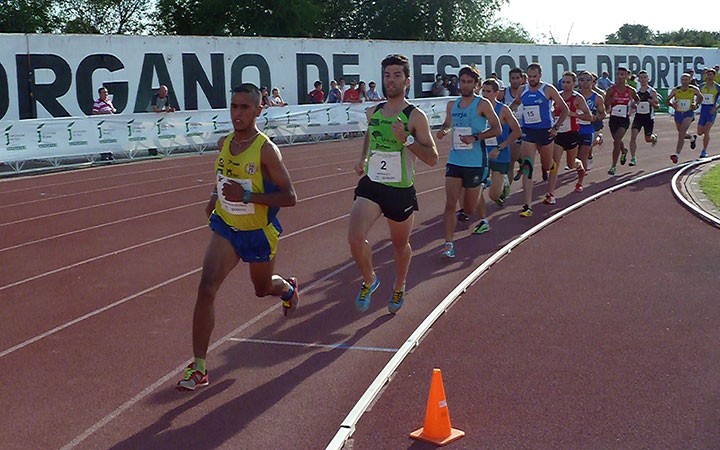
100 268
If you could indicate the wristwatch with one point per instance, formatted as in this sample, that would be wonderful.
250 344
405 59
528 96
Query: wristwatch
410 140
477 138
246 197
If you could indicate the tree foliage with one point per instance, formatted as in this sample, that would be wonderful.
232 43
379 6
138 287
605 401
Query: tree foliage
27 16
640 34
105 16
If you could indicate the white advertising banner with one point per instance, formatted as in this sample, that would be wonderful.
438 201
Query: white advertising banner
49 75
71 137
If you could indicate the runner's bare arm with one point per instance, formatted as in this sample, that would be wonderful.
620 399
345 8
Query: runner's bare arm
654 100
360 165
508 117
447 125
424 146
581 104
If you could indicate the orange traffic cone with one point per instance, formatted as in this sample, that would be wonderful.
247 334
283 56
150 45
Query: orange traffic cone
437 427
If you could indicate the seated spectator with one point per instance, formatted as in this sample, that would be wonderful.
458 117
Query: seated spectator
438 87
335 94
161 102
275 99
373 95
352 95
452 86
264 97
316 95
363 92
103 105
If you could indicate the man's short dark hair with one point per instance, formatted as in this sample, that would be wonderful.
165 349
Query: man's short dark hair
397 60
516 70
621 69
317 83
102 88
534 66
248 88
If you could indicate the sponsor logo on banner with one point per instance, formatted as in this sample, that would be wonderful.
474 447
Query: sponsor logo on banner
164 129
75 138
102 134
13 139
135 131
45 137
193 129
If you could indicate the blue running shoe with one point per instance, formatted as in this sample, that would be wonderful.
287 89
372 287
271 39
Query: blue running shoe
362 302
448 250
703 154
396 301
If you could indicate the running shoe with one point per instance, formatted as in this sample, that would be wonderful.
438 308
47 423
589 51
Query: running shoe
362 302
612 171
633 161
527 169
396 301
579 168
192 379
448 250
483 227
291 304
526 211
506 188
674 158
578 187
549 199
623 156
500 201
462 216
653 139
703 154
693 142
600 139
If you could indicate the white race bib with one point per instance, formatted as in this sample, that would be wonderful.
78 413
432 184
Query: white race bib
384 167
708 99
236 208
565 127
619 111
491 142
458 144
643 108
531 114
683 105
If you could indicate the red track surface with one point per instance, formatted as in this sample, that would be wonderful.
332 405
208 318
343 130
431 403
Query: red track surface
100 268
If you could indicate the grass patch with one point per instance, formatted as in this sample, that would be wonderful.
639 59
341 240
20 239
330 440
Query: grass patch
710 185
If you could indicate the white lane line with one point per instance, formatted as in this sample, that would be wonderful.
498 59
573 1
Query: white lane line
177 370
102 225
95 313
95 258
105 177
109 188
98 205
338 346
174 373
372 393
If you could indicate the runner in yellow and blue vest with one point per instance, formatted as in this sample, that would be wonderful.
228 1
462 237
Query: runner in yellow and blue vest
710 91
252 183
684 99
397 134
471 120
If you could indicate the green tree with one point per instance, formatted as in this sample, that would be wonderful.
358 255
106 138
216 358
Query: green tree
27 16
106 16
632 35
689 38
